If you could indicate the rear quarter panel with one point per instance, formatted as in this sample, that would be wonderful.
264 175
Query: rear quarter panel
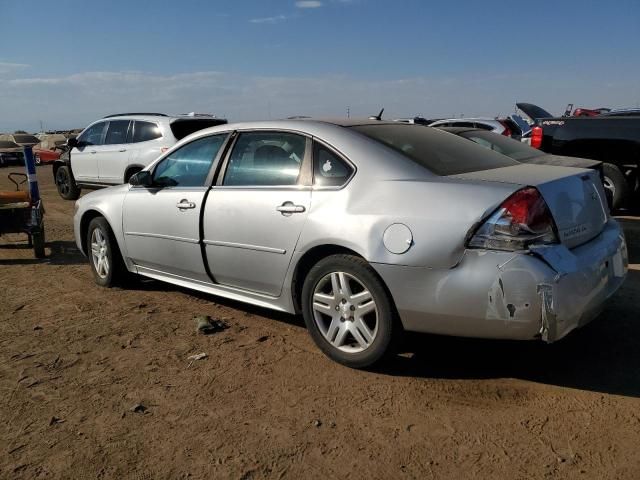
440 213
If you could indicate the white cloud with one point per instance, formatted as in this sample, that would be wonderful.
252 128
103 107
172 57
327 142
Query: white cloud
273 19
6 67
308 4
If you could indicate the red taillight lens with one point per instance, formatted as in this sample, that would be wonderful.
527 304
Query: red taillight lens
522 220
507 130
536 137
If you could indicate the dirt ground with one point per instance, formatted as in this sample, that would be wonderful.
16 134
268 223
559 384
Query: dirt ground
75 359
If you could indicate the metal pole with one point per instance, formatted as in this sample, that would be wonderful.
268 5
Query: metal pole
30 164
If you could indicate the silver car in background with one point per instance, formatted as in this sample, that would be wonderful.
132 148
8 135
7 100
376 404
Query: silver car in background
367 228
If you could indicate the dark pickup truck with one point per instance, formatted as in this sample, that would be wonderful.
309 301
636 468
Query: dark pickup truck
614 140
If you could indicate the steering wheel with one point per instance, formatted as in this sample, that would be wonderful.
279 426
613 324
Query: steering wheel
15 182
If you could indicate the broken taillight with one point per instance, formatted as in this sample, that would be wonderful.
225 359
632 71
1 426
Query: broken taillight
536 137
522 220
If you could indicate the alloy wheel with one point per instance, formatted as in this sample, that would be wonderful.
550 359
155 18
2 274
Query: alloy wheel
345 312
63 181
99 253
609 185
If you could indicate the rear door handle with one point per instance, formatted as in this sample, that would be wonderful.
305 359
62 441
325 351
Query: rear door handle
123 150
287 208
185 204
93 151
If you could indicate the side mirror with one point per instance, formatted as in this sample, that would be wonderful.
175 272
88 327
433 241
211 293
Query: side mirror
142 179
72 142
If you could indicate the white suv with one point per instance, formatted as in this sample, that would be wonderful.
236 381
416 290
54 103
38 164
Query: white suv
115 147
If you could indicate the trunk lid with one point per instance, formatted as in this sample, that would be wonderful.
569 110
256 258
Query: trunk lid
532 111
575 196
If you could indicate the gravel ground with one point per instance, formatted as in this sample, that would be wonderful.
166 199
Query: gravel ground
96 383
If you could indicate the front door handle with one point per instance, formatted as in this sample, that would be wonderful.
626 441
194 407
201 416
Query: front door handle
185 204
123 150
287 208
94 151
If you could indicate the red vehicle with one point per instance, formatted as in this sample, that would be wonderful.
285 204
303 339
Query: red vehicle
48 150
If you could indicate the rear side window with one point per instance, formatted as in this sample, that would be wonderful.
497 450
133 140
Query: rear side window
117 132
265 159
93 135
145 131
440 152
329 170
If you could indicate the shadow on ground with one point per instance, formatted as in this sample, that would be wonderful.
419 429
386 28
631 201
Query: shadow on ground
60 253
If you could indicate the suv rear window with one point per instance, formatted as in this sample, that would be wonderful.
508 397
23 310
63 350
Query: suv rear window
439 152
186 126
145 131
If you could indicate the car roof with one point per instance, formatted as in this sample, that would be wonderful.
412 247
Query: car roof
159 116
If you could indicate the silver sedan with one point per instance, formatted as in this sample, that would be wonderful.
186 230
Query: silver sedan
368 228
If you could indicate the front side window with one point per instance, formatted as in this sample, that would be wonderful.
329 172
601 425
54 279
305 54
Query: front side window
329 170
189 166
265 159
117 132
145 131
92 135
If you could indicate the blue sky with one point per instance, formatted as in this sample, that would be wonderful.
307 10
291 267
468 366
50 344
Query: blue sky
68 62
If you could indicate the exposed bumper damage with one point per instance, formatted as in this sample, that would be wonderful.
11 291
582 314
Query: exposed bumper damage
544 293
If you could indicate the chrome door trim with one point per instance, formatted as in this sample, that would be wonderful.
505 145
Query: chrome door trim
164 237
245 246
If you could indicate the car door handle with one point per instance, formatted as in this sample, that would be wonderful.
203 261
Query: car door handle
185 204
94 151
289 208
123 150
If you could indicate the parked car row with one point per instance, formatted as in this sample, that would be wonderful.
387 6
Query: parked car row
368 228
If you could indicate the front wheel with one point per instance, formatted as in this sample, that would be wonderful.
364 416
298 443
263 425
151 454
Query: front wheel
348 311
66 184
106 262
37 159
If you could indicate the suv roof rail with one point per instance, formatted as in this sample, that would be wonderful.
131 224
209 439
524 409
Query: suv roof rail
135 113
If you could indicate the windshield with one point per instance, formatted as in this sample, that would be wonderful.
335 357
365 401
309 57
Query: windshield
501 144
440 152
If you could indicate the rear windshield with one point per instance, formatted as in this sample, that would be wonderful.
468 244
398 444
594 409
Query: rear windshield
501 144
8 144
186 126
440 152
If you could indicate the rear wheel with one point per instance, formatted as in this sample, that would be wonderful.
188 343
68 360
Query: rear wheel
106 262
616 184
348 311
66 184
37 159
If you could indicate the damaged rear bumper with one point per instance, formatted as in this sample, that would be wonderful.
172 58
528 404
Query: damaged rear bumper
545 293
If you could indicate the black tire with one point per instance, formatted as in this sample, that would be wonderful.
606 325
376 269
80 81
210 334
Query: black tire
36 158
358 273
115 272
66 184
38 243
617 184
